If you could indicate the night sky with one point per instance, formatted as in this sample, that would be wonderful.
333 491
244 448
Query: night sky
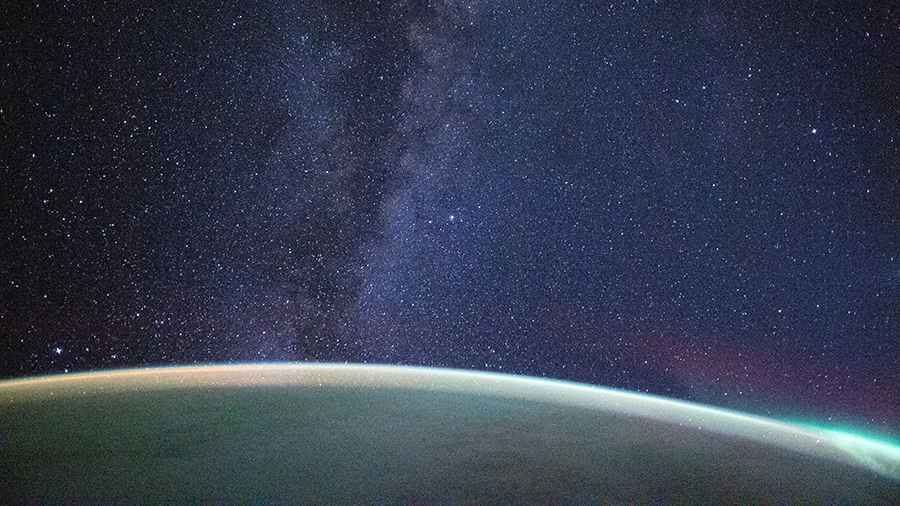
699 200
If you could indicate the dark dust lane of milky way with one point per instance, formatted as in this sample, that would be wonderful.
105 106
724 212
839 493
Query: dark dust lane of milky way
699 201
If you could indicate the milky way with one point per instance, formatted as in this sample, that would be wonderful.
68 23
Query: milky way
698 202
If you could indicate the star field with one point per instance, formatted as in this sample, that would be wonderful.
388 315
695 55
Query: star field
698 201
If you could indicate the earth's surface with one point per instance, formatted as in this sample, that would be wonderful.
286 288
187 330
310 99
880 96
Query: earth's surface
355 433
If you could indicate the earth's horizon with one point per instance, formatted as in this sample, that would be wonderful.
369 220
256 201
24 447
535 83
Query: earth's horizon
356 432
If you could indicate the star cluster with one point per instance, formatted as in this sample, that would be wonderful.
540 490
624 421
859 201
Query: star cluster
698 201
